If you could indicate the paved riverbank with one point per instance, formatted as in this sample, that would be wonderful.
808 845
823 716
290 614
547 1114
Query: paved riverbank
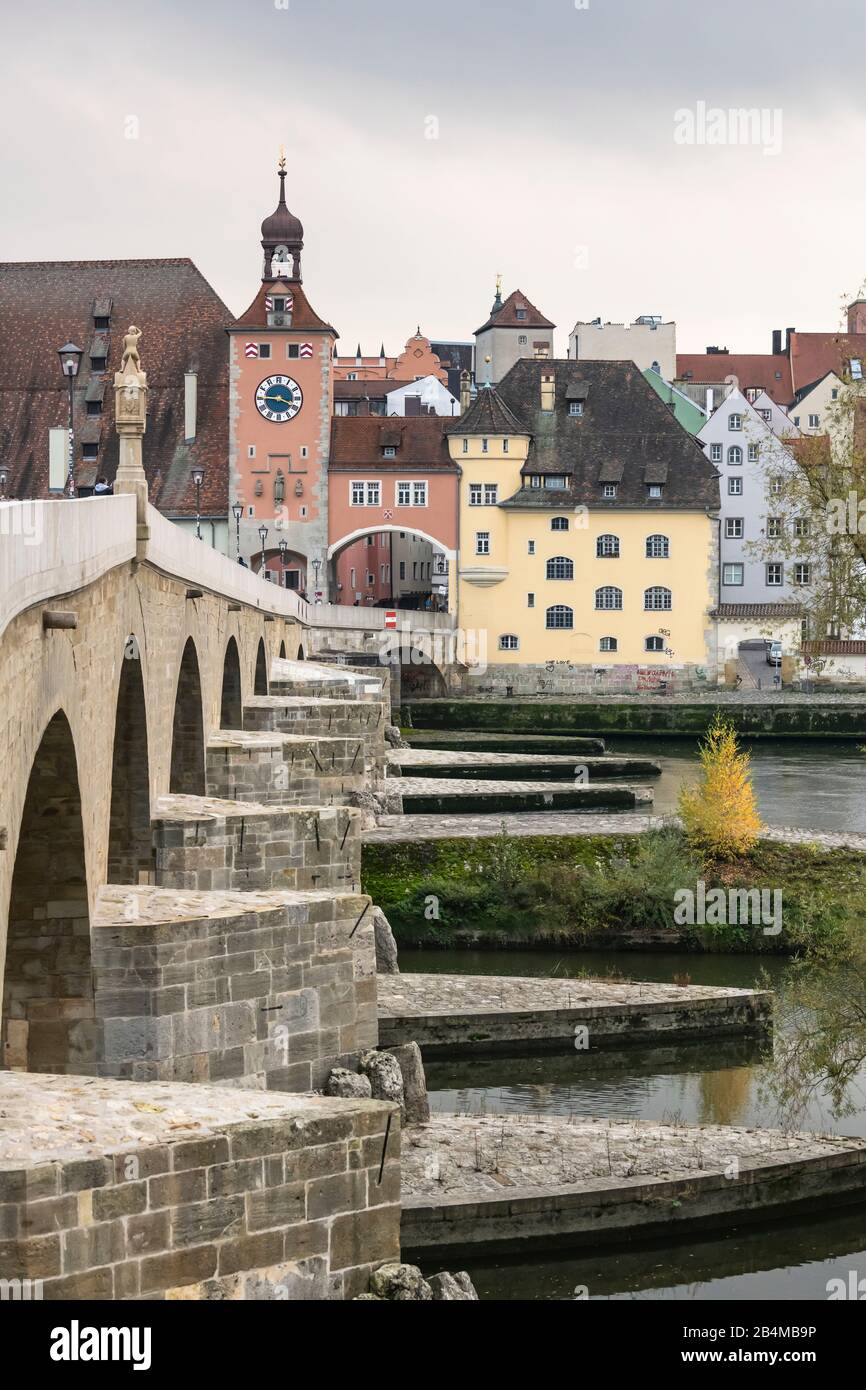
486 1013
503 1183
435 795
448 763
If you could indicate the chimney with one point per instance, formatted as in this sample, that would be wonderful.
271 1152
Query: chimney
857 316
777 341
190 405
788 332
465 391
548 390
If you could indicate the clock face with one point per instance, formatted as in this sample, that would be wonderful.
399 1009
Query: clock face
279 398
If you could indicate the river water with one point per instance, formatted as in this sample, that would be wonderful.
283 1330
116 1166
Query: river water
815 785
716 1082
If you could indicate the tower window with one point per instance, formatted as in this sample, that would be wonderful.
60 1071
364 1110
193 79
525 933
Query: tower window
293 349
90 451
101 323
264 350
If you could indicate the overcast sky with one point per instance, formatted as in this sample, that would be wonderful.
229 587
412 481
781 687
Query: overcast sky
555 159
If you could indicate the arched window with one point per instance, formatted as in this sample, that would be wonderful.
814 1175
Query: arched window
559 615
735 422
607 644
656 598
560 567
608 597
735 455
657 548
654 644
607 547
559 523
509 642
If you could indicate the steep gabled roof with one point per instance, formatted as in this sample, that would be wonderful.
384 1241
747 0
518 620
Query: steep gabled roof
772 372
304 316
506 317
625 428
357 441
183 322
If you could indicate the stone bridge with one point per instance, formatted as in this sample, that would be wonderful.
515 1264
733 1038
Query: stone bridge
180 856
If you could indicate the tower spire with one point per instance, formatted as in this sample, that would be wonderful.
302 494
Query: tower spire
282 235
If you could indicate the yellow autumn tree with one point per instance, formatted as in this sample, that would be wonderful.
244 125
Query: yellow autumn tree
720 813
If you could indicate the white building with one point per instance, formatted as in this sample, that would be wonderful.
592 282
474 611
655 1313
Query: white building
647 341
744 441
425 396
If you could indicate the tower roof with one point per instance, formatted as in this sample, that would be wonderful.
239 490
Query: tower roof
488 414
282 229
515 312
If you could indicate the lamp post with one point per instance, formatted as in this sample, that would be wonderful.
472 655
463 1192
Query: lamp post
263 535
4 478
316 566
237 513
284 550
198 479
70 360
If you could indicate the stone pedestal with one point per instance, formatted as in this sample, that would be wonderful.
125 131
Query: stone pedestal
130 413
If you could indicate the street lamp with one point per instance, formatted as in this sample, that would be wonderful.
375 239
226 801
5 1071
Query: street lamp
316 566
263 535
198 479
284 550
70 360
237 513
4 478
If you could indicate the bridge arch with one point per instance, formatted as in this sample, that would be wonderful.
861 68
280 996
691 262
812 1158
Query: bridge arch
130 841
48 1014
391 528
231 701
187 736
260 680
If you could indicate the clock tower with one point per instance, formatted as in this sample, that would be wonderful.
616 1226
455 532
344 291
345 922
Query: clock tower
281 403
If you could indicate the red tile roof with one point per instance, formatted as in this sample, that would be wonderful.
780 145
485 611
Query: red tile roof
304 315
769 371
813 355
357 442
183 322
833 646
506 317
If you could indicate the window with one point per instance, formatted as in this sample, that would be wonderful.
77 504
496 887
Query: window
414 569
766 415
505 446
264 350
657 548
775 574
508 642
389 451
530 547
365 494
814 422
293 349
352 578
521 340
732 574
97 364
474 494
560 567
609 490
802 574
482 542
607 547
351 376
575 407
419 494
484 444
556 481
715 453
774 528
735 455
776 485
535 480
404 494
735 422
607 644
491 494
90 451
654 490
734 528
101 324
530 600
466 446
802 529
559 616
654 644
94 407
608 597
735 487
656 598
797 421
520 313
753 453
559 523
371 540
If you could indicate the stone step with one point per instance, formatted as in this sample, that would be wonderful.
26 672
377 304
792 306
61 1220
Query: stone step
283 769
250 988
439 762
304 678
321 718
432 795
203 843
467 739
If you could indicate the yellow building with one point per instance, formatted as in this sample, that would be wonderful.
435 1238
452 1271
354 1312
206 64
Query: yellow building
588 535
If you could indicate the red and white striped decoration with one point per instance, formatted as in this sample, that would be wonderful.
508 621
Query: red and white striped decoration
251 350
269 303
305 350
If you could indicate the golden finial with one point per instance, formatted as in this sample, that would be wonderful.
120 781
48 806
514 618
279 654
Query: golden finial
498 283
282 163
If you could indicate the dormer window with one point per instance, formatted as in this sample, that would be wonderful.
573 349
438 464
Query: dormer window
520 314
575 407
97 364
389 451
101 323
654 490
609 490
